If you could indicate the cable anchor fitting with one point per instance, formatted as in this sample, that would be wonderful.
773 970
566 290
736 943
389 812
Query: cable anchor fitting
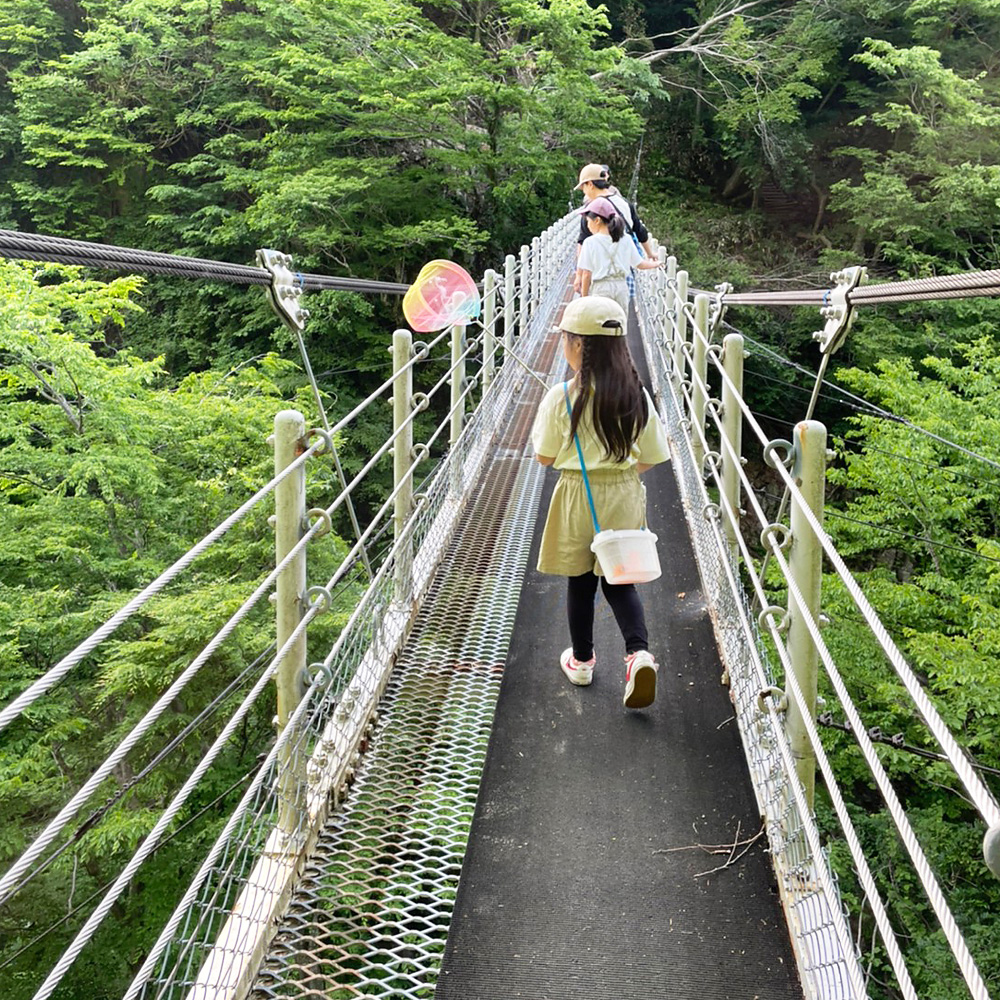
717 310
285 290
837 310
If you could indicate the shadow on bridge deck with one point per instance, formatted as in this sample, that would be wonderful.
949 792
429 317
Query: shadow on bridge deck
584 877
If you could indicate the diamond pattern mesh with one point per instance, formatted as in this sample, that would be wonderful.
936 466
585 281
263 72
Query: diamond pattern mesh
370 915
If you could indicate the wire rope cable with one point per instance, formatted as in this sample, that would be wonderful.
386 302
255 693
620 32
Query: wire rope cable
206 713
52 676
981 796
984 801
874 410
156 833
166 840
78 800
31 246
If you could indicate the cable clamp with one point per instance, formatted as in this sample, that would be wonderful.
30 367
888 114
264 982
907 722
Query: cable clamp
781 699
321 517
285 289
324 436
837 310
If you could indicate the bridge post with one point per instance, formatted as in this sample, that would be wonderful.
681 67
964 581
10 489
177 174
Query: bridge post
680 328
732 429
290 590
669 302
402 457
699 378
805 560
536 273
525 290
489 327
457 382
509 264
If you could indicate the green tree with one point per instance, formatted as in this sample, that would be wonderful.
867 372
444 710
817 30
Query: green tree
108 473
927 202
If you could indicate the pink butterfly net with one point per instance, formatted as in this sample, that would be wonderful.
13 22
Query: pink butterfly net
443 294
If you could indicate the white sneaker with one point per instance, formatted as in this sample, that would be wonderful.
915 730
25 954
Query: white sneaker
579 672
640 679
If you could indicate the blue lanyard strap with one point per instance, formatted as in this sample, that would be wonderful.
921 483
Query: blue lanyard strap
583 467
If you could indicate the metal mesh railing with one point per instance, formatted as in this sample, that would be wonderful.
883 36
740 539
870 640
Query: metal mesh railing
751 627
217 935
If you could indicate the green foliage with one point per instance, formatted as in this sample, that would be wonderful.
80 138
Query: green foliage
928 202
365 137
108 473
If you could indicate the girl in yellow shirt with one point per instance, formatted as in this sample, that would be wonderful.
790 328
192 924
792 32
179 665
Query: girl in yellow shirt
620 437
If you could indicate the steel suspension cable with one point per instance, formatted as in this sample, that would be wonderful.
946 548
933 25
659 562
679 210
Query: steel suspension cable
981 796
972 284
76 803
156 834
945 917
63 667
60 669
872 409
31 246
160 756
166 840
967 964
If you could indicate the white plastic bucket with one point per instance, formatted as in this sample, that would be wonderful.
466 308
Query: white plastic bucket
627 556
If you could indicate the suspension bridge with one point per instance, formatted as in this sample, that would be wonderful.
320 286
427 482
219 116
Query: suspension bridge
439 813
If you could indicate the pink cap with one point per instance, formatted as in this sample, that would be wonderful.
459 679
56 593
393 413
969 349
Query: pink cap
599 206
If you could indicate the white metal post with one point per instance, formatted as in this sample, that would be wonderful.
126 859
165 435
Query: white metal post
457 382
524 291
669 305
536 273
289 518
732 429
805 565
699 375
489 327
509 264
402 455
680 329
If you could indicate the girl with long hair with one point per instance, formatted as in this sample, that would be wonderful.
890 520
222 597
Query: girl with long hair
606 259
620 434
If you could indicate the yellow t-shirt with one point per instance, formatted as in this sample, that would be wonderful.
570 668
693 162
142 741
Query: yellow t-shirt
550 436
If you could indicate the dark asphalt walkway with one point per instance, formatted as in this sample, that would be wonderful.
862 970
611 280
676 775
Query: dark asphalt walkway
585 876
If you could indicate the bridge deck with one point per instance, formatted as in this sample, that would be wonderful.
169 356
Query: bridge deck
582 875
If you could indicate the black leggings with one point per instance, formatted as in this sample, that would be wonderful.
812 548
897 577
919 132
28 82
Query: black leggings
625 603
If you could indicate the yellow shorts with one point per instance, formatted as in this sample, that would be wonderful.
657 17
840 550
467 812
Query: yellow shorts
620 501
